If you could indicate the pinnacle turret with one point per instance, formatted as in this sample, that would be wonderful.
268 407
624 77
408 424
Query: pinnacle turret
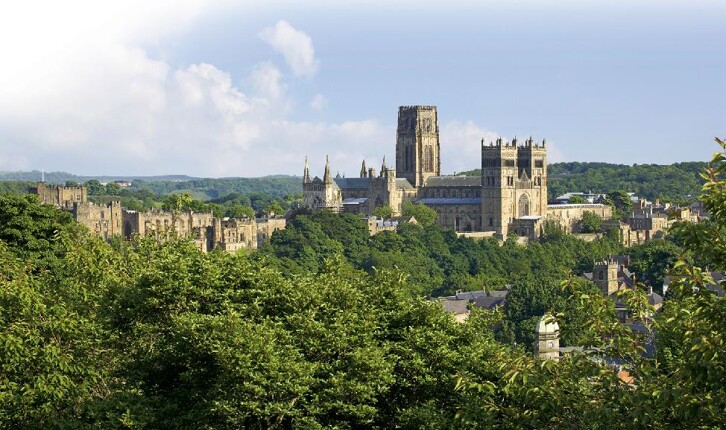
327 178
363 170
306 174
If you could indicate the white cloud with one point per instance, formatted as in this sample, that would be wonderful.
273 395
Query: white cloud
318 102
294 45
81 93
266 79
461 145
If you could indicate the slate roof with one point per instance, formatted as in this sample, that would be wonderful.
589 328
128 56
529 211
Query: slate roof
450 201
455 306
453 181
488 302
403 184
480 299
352 183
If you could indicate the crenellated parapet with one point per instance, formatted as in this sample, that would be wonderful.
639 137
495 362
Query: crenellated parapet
513 144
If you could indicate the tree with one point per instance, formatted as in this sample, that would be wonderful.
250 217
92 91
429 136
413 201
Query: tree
591 222
424 215
274 208
113 189
383 212
94 187
621 203
177 202
577 199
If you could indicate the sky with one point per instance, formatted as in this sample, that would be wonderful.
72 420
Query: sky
250 88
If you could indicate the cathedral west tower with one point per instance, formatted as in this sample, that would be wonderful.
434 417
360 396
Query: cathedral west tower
417 144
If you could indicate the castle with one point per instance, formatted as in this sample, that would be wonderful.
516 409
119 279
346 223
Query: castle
111 220
510 196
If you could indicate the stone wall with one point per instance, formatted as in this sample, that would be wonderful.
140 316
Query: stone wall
102 220
569 216
60 196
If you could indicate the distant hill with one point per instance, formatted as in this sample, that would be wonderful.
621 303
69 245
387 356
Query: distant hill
213 188
673 182
276 186
62 177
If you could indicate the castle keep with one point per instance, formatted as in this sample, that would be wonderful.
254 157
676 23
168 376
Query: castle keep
509 196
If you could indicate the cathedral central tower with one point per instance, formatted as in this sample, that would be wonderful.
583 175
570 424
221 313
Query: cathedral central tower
417 144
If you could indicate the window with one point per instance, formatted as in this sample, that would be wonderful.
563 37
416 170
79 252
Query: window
523 205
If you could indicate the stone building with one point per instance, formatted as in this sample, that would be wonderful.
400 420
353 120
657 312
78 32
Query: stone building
60 196
102 220
509 196
111 220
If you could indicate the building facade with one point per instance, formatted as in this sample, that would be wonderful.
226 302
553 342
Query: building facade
510 196
207 231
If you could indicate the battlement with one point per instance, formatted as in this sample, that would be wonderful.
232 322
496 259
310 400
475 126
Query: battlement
417 107
610 261
529 144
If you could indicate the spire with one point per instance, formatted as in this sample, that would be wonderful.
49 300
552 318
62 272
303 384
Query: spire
326 178
383 166
306 175
363 170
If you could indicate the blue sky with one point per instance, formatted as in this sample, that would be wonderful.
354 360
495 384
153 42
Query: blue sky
247 88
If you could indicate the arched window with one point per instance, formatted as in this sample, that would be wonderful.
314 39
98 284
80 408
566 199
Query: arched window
429 161
523 205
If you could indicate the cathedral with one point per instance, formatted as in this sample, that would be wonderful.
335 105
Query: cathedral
510 196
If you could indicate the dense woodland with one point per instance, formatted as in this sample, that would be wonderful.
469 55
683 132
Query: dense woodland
679 182
327 327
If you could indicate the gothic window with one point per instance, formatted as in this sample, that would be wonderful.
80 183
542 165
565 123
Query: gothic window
523 205
491 221
429 161
601 276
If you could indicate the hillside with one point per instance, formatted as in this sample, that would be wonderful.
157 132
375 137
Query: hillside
674 182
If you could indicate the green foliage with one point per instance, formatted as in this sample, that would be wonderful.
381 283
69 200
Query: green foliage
324 329
383 212
33 230
577 199
621 203
591 222
677 183
651 260
423 214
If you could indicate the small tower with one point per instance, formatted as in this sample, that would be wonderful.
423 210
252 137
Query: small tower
548 338
605 276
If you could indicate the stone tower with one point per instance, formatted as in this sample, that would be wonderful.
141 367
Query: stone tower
417 144
548 338
321 194
514 183
531 195
605 276
499 173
